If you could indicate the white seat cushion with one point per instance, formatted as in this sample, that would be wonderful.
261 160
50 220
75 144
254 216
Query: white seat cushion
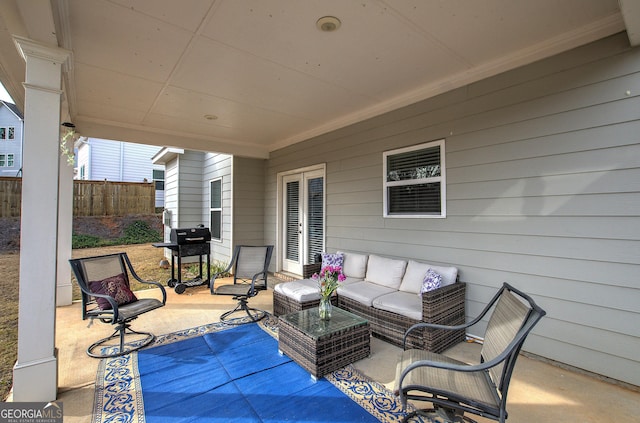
363 292
404 303
301 291
354 265
349 280
385 271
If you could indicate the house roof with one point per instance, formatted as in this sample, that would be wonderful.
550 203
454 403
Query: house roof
14 109
248 77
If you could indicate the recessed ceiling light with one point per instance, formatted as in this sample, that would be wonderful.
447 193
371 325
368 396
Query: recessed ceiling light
328 23
210 117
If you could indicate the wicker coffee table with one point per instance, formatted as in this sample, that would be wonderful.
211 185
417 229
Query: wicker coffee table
320 346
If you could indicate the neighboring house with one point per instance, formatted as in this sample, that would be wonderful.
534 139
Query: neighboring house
11 125
118 161
532 179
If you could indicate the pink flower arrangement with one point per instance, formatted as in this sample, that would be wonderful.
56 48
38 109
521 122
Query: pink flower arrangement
329 280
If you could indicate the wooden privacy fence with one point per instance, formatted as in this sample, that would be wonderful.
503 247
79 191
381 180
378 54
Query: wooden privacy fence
95 198
90 198
10 196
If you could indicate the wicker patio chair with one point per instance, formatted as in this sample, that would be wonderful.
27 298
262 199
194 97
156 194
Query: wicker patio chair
250 268
454 387
106 296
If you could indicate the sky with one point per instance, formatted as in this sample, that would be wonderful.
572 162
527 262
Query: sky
4 95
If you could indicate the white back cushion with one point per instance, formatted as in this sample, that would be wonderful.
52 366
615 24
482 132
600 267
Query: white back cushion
385 271
449 274
354 265
416 271
413 277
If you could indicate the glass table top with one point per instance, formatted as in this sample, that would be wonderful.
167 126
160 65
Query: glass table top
308 321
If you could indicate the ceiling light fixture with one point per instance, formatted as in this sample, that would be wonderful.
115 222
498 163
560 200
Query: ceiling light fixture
210 117
328 23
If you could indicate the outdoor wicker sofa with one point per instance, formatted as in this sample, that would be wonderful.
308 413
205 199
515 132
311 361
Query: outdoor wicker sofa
386 292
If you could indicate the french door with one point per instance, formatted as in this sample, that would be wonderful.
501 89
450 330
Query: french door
303 218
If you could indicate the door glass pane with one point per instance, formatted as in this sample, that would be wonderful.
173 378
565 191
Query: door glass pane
293 220
315 226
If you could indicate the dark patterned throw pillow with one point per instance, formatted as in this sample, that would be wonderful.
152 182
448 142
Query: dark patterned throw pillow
115 287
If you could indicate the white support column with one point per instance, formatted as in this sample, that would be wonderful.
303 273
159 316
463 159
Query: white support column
35 374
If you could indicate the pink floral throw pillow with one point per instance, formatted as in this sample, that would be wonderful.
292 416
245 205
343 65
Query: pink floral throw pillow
115 287
431 281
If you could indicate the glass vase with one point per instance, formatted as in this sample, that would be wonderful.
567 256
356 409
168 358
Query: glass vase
324 308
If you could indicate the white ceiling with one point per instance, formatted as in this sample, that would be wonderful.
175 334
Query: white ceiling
150 70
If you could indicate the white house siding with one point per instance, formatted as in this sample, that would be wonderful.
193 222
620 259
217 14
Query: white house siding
183 194
14 146
248 201
219 166
83 154
104 160
190 197
171 196
136 162
543 177
118 161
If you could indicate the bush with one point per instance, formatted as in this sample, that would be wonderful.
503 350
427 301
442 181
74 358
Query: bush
87 241
138 232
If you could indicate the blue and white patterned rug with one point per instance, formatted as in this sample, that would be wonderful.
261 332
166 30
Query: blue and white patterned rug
178 380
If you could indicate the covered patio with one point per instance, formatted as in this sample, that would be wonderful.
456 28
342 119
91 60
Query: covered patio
534 107
540 392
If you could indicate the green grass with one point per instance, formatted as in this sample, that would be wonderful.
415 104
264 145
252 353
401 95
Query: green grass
216 267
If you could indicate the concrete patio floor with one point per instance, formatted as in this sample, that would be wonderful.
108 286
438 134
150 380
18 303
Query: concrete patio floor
540 392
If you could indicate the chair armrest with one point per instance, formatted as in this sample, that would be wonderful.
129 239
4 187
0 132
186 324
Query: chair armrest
159 285
139 279
222 272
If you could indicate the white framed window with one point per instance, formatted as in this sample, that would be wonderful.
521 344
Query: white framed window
414 181
158 179
3 133
83 172
3 160
10 160
215 196
11 133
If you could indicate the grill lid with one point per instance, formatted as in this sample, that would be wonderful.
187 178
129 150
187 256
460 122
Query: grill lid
182 236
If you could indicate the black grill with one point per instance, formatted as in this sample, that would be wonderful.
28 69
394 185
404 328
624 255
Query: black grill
187 242
190 236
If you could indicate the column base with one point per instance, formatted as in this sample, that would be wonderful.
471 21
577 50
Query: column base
36 381
64 295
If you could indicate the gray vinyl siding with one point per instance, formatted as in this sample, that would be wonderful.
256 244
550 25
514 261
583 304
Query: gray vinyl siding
543 176
248 201
171 196
219 166
191 200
